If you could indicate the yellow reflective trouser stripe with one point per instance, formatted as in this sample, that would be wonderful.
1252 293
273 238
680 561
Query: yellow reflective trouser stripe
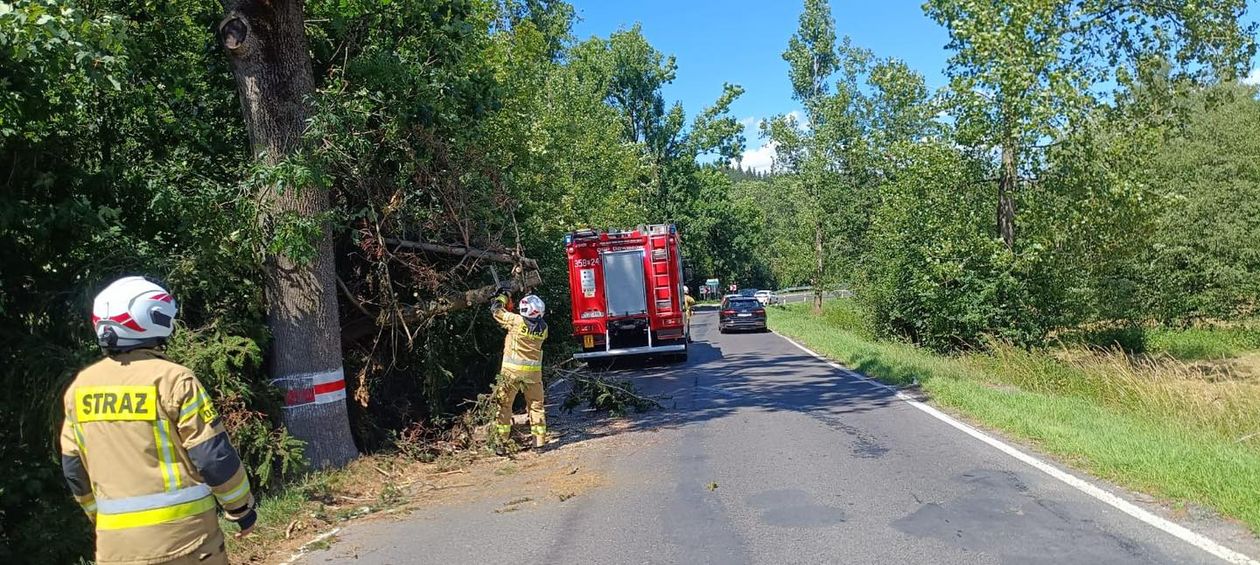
166 451
538 430
523 366
503 428
154 516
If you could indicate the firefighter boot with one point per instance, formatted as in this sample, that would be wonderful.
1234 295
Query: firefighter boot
503 437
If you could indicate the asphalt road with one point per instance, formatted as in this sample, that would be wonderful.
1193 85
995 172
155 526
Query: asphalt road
810 466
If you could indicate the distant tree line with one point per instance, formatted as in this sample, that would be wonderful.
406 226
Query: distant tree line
1089 164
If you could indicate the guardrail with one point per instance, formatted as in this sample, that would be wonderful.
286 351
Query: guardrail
808 295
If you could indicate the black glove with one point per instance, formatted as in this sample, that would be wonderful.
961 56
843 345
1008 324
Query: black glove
246 521
503 290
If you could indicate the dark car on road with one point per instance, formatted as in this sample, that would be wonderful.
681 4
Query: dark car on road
741 313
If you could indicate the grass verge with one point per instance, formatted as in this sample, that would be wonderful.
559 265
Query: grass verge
1205 343
1167 430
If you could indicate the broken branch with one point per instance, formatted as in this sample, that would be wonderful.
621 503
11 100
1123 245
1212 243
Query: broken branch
462 251
445 305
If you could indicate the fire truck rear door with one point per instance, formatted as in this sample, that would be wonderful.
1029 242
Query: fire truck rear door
624 282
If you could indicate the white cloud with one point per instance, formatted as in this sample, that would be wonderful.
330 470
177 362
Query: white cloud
1253 79
760 159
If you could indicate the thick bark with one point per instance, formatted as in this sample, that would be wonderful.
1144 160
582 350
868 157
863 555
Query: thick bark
818 268
1006 195
266 44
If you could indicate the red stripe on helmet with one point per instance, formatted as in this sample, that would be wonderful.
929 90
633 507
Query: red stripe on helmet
163 297
125 320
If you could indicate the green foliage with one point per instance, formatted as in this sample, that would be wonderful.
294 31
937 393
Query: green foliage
1132 205
52 53
1205 254
934 272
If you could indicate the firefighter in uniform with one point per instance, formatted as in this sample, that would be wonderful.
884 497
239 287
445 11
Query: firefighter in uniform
689 303
142 448
521 371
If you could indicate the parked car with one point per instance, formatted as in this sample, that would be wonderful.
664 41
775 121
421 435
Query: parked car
741 313
766 297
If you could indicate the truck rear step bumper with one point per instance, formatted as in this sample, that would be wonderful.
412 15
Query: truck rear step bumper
631 351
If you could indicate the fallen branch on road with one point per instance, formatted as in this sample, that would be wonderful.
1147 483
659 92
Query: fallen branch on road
615 396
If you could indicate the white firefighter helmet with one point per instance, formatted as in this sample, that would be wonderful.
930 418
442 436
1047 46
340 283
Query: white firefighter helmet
532 307
133 312
686 289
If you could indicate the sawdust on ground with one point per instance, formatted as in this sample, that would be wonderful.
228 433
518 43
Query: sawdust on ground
391 487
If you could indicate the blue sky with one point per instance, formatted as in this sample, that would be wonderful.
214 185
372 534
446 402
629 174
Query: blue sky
741 41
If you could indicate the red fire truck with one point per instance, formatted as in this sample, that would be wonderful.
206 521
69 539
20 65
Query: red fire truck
627 292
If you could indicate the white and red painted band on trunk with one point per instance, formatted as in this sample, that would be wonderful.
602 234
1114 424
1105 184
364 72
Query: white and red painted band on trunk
313 388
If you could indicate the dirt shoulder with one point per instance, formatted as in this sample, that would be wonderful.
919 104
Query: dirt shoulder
308 516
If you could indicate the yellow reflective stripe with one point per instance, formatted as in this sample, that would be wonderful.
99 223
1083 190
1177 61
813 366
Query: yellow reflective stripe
525 368
166 451
170 455
153 517
235 494
193 405
78 438
161 453
190 408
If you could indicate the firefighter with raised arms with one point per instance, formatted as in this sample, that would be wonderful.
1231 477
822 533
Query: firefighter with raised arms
521 371
142 448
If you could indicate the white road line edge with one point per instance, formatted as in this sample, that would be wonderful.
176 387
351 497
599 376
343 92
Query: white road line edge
1181 532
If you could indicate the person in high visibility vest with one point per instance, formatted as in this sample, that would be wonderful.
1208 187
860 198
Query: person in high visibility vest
142 448
521 370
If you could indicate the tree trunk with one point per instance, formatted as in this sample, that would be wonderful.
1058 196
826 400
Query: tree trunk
266 45
818 269
1006 195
